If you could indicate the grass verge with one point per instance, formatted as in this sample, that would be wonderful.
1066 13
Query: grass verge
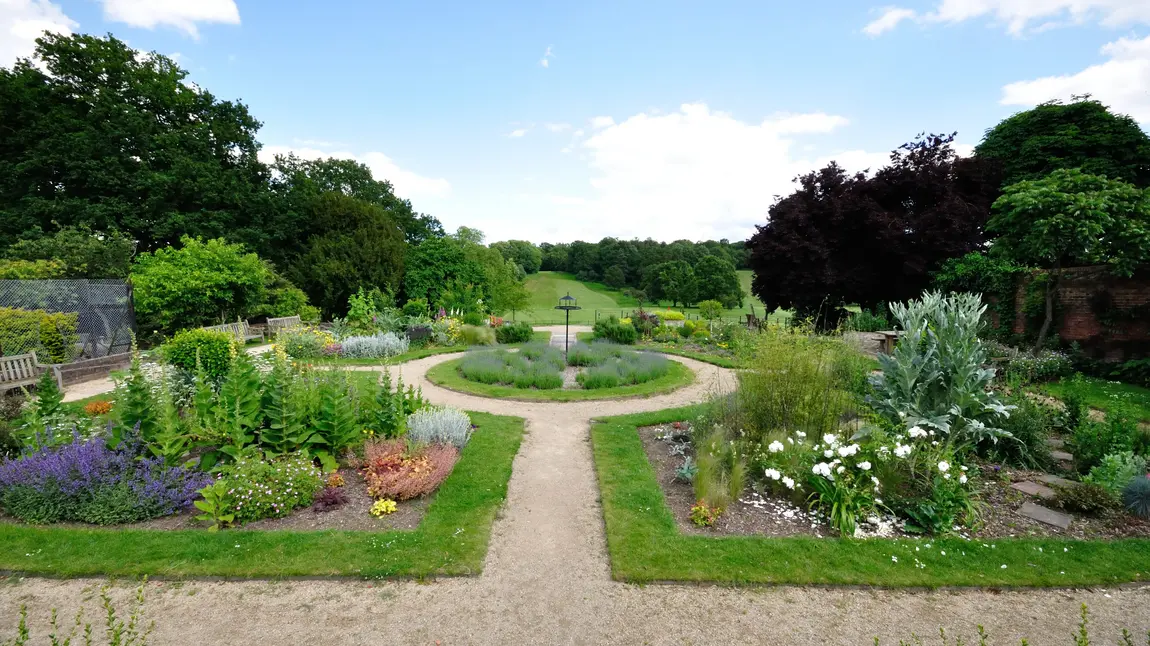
447 375
645 545
451 540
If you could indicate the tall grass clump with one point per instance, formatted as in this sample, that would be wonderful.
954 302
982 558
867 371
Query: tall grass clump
477 335
722 471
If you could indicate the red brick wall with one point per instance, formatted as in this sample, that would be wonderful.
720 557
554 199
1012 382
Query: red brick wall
1082 292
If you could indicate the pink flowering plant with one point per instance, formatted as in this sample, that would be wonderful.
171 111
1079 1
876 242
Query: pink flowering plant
255 489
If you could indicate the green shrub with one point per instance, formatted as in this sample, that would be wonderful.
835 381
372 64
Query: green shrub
1030 424
1116 470
52 335
304 342
1086 498
868 321
31 269
473 318
701 334
477 335
213 348
670 315
612 330
415 307
687 329
520 332
1094 440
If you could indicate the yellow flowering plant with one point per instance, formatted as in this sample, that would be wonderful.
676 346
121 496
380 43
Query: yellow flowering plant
383 507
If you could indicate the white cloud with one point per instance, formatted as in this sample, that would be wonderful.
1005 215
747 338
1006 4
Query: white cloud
557 127
1122 82
602 122
23 21
889 19
546 55
181 14
1018 15
692 173
518 132
407 184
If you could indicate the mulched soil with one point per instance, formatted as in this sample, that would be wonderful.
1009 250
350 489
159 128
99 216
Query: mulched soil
352 516
769 515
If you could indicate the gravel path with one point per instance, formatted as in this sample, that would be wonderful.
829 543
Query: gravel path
547 577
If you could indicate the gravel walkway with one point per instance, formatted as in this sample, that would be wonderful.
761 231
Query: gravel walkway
547 577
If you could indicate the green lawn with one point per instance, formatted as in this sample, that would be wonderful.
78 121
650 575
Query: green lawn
451 540
645 544
1102 394
546 287
447 375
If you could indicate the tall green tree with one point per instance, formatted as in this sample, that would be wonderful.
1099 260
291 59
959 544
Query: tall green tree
1072 218
82 252
676 283
524 253
717 281
436 263
96 134
1083 134
356 245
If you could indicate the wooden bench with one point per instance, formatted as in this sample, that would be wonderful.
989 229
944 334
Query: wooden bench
240 330
277 325
889 340
21 370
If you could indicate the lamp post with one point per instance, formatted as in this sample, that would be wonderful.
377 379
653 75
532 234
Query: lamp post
567 303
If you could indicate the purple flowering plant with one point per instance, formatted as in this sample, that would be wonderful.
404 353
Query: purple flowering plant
88 481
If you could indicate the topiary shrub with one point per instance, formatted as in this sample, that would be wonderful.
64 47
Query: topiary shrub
214 348
1136 497
520 332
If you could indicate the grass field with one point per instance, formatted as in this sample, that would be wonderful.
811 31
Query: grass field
546 287
451 539
645 544
1102 394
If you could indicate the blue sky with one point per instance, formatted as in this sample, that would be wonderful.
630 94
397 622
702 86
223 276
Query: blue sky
582 120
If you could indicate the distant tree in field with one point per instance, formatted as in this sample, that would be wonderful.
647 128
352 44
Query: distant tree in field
842 239
97 134
614 277
360 247
524 253
81 252
674 281
198 283
554 256
710 310
506 289
1072 218
717 280
1084 134
435 263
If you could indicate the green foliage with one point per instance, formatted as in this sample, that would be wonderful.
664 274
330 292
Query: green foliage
710 309
217 504
52 335
1136 497
239 401
721 473
78 251
31 269
284 411
473 318
267 489
867 321
116 631
1086 498
716 280
1083 134
612 330
477 335
435 264
335 422
936 378
137 408
49 398
674 281
197 284
1116 470
305 342
520 332
994 277
1094 440
1030 424
208 349
521 252
415 307
285 299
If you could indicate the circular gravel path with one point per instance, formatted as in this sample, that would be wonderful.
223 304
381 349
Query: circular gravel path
547 579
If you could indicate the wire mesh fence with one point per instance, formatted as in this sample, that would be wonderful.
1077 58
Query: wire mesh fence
66 320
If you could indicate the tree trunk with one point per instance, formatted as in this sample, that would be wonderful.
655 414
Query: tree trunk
1045 329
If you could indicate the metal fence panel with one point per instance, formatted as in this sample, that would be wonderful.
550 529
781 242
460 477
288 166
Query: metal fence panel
105 320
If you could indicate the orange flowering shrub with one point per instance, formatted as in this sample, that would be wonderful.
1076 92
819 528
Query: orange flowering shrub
98 407
394 473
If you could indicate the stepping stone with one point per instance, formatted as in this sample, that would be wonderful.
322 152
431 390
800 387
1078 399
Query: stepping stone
1055 443
1044 515
1062 456
1034 489
1056 481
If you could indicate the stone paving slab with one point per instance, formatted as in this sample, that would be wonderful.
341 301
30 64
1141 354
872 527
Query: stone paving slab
1034 489
1055 443
1044 515
1062 456
1056 481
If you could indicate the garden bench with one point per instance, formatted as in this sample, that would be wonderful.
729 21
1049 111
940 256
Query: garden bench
240 330
277 325
21 370
889 340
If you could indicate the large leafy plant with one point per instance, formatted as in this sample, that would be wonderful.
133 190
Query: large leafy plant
935 378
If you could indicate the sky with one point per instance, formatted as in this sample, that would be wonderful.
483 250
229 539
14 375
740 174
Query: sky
581 120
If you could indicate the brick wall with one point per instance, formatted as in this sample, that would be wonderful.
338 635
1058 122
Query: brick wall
1108 316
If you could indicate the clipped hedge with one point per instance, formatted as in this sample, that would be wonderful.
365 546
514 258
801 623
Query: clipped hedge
51 334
